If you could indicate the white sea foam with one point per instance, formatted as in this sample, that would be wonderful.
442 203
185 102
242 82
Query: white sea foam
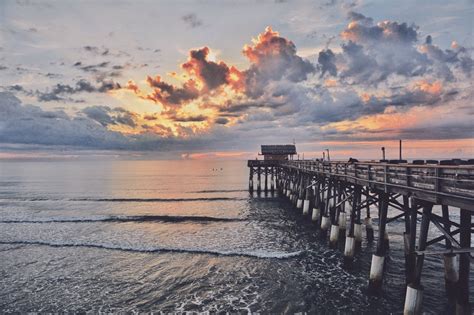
151 249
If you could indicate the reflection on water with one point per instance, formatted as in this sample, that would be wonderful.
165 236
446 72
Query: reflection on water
175 236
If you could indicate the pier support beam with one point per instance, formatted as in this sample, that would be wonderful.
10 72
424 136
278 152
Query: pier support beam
451 272
317 202
265 170
272 179
259 179
376 267
301 189
325 220
462 303
414 293
350 246
369 229
251 180
307 198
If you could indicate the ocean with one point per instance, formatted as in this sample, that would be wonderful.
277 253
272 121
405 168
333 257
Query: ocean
176 236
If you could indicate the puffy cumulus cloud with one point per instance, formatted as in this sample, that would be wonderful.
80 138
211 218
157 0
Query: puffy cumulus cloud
362 29
273 58
211 74
374 52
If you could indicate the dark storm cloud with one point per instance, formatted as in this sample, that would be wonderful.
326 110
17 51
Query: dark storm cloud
178 118
61 92
327 62
170 95
221 121
212 74
105 115
191 20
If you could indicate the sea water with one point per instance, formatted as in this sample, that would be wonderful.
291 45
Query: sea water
175 236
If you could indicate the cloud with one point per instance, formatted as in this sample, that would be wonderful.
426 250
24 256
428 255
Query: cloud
221 121
372 87
273 58
327 62
106 116
191 20
170 95
27 124
60 92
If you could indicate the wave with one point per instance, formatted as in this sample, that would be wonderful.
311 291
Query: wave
141 218
155 199
253 254
127 199
218 191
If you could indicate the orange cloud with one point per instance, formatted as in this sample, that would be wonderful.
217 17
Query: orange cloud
433 88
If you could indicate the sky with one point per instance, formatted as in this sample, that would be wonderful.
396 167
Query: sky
215 79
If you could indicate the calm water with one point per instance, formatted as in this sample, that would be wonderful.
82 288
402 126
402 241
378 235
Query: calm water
176 236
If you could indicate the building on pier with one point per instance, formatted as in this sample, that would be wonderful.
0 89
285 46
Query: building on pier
278 152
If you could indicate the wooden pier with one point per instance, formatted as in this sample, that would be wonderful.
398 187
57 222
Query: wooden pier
337 197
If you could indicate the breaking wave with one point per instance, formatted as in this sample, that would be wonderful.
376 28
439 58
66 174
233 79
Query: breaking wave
141 218
253 254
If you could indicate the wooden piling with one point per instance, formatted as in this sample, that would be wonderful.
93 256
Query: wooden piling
259 179
462 303
266 178
251 180
378 259
414 293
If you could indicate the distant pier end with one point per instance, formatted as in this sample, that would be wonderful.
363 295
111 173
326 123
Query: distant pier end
335 195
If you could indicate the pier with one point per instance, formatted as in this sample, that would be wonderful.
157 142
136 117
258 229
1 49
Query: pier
339 198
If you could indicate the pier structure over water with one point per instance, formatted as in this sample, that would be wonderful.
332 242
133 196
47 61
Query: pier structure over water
337 197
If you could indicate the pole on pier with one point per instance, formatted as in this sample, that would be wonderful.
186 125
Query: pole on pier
400 150
462 304
378 259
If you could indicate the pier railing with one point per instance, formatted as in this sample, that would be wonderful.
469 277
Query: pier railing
440 184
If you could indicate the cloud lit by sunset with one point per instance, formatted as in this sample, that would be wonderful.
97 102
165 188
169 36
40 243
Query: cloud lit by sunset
376 79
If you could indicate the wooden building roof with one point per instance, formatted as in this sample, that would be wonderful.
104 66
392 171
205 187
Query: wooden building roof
285 149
